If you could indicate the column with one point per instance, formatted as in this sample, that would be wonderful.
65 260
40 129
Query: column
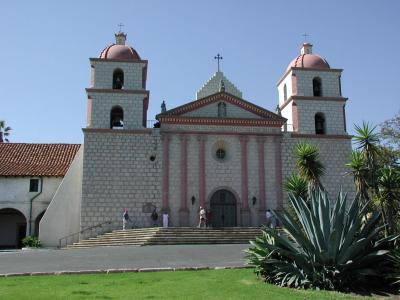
261 180
183 210
278 172
202 170
165 173
245 212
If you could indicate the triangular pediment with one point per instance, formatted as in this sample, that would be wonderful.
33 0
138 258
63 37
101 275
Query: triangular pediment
236 109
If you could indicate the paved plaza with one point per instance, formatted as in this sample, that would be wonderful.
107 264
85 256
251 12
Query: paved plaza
123 257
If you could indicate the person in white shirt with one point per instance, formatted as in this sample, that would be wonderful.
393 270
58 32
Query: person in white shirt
202 215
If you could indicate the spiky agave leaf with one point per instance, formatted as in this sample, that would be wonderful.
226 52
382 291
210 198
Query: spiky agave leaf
333 248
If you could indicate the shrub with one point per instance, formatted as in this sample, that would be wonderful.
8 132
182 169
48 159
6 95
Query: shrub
334 248
31 241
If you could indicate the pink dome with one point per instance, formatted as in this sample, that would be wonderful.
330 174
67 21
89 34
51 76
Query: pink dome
311 61
122 52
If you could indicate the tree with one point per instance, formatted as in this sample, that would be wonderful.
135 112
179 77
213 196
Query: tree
359 171
389 136
389 196
296 185
4 131
367 141
309 166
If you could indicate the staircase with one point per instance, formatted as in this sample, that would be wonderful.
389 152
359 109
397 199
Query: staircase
171 236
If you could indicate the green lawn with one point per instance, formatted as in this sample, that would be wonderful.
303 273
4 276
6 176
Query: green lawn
207 284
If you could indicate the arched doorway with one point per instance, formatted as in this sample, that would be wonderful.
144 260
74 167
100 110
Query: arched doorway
12 228
223 209
37 221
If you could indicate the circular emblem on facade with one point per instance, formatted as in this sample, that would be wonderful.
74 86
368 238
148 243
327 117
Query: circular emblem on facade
220 151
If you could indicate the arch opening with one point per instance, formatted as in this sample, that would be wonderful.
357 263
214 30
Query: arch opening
117 118
317 87
320 126
118 79
221 109
223 209
37 222
12 228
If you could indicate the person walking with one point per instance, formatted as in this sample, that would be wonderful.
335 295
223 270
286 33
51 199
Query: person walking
202 216
154 217
125 218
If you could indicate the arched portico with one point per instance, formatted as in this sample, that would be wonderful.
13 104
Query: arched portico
37 221
224 208
12 228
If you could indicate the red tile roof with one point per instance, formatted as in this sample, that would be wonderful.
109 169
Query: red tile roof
20 159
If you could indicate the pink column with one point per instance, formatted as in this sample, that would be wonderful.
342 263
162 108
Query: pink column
165 183
183 210
202 170
261 173
278 172
245 201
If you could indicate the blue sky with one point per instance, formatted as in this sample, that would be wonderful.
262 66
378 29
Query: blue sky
46 45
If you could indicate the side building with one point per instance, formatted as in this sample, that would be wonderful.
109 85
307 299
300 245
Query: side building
30 175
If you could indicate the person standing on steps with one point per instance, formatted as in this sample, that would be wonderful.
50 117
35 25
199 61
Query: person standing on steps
202 215
125 218
154 217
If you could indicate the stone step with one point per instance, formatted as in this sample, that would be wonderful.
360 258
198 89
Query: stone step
171 236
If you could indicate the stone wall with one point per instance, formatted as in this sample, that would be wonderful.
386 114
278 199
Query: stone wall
102 74
102 103
332 111
334 154
118 174
232 111
329 81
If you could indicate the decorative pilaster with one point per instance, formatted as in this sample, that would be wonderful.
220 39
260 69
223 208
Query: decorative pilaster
202 170
278 172
183 210
261 179
165 173
245 212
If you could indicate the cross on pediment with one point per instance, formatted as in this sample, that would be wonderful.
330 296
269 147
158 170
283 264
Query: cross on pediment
218 58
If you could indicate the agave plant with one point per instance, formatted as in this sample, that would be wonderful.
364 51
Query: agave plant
334 248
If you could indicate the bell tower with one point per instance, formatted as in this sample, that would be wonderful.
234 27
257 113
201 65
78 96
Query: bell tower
310 95
117 96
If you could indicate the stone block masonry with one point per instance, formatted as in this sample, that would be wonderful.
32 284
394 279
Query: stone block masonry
118 173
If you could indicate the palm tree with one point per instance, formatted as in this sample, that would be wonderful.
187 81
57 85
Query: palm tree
4 131
389 195
367 141
296 185
359 171
309 166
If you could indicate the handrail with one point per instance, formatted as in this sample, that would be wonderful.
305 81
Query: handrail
80 232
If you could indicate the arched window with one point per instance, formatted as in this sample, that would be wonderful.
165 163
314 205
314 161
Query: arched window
319 123
117 118
118 79
221 109
317 87
284 92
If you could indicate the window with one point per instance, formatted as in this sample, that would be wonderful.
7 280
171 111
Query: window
34 185
317 87
284 92
220 154
319 123
221 109
118 79
117 118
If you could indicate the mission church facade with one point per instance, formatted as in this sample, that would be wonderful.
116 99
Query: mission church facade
219 151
